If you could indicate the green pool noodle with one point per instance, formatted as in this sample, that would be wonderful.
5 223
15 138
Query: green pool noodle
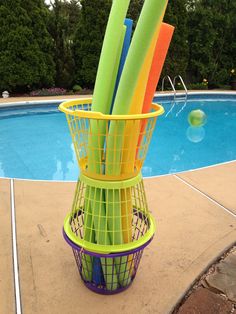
102 237
106 77
150 17
103 91
89 235
113 209
109 270
88 224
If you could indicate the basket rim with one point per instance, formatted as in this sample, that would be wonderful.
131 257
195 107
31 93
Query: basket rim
98 254
109 249
64 107
110 185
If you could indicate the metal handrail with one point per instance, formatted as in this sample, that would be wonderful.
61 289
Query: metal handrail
182 108
182 81
171 83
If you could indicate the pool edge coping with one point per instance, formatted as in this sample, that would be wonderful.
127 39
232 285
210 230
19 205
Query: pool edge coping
38 101
145 178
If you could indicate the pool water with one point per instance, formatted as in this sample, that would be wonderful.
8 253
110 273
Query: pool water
35 142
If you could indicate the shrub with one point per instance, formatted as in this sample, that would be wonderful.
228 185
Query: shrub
202 85
77 88
54 91
25 46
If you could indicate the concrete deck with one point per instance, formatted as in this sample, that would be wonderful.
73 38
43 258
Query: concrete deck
38 99
193 229
7 303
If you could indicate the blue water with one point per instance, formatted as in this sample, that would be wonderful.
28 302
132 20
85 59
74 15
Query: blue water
35 142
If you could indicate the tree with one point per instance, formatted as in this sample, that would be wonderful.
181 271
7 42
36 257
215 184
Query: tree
63 21
88 40
212 40
25 45
178 55
135 10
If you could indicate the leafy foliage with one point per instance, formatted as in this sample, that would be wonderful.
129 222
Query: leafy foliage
88 40
64 18
25 45
134 10
178 55
212 40
42 47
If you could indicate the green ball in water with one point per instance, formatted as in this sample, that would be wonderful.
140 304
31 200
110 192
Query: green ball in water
197 118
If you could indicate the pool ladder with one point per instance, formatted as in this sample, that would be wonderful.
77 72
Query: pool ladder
177 97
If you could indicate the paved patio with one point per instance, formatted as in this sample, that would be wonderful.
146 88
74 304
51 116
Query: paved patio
196 216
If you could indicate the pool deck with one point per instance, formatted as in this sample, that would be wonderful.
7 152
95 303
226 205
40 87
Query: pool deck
196 219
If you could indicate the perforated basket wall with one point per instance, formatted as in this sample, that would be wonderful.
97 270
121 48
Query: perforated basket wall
107 273
109 147
109 217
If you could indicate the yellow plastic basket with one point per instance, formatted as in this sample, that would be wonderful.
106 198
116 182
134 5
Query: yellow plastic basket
101 220
109 147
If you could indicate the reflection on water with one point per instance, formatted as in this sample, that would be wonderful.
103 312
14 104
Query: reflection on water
2 174
147 171
195 134
69 171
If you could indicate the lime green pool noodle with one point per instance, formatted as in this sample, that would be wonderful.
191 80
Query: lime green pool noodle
102 98
89 235
103 90
103 238
150 17
106 75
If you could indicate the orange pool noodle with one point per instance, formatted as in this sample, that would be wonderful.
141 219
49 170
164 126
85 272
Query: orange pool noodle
162 47
133 127
159 57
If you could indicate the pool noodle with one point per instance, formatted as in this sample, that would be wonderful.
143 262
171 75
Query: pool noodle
150 17
127 40
130 141
114 221
105 80
117 239
129 26
132 128
89 235
97 275
140 44
103 92
160 54
104 216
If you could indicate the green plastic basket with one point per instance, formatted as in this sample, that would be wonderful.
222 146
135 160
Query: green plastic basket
109 217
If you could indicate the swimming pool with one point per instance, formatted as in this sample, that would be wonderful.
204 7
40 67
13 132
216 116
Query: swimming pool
35 142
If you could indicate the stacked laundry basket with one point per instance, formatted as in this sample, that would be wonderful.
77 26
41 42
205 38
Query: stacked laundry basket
109 224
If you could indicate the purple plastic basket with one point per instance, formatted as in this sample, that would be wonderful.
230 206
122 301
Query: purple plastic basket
107 273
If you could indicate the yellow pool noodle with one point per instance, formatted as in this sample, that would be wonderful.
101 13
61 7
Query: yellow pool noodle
131 136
